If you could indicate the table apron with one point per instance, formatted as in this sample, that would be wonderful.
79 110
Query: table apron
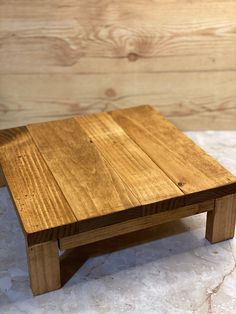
133 225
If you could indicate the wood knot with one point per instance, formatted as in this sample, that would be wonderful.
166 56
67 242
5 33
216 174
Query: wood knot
180 184
110 92
132 56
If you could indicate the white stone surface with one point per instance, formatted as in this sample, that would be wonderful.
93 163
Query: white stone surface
178 272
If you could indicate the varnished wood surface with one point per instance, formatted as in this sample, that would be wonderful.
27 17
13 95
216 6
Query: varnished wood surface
40 203
221 221
89 172
133 225
144 178
44 267
90 185
63 58
185 163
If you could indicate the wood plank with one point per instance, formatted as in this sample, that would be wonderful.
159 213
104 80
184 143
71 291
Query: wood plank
40 204
36 98
112 54
220 224
183 161
133 225
89 184
144 178
87 36
44 267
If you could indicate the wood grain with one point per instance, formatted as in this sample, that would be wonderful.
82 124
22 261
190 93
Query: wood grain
40 204
89 36
133 225
80 174
44 267
143 177
89 184
62 58
220 224
182 160
38 98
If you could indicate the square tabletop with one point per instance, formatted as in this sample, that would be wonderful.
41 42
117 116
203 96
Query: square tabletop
82 173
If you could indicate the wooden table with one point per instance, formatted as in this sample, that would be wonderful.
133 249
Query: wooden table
94 177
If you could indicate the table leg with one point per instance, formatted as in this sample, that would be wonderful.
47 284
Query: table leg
44 267
221 221
2 178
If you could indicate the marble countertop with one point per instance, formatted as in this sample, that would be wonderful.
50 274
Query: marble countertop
174 270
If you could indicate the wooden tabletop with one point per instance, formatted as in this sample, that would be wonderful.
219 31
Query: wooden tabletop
82 173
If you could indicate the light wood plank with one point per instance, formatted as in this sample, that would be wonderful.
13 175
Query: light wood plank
183 161
220 224
89 184
133 51
40 204
81 36
133 225
144 178
44 267
37 98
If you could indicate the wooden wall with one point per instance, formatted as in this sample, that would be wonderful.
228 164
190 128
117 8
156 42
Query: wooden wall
65 57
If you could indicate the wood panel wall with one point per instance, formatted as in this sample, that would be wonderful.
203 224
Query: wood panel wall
64 57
